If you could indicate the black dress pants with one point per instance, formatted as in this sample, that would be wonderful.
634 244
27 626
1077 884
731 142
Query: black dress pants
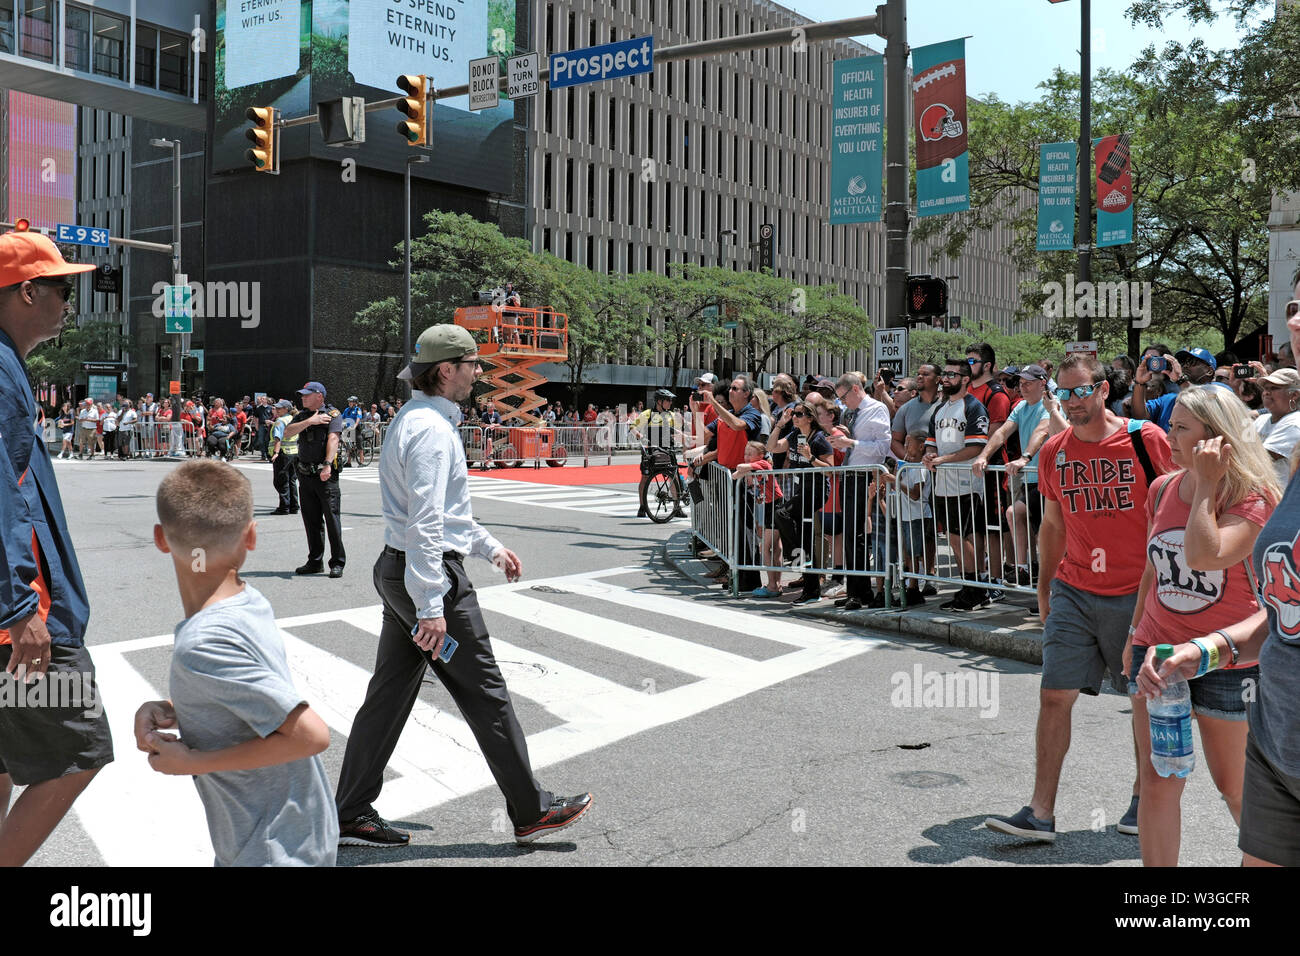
857 556
284 475
320 504
472 678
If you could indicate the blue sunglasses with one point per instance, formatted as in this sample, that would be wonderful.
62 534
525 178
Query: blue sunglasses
1079 391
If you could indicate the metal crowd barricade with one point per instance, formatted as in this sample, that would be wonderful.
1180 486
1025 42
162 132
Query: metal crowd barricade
713 517
828 522
157 440
478 449
925 541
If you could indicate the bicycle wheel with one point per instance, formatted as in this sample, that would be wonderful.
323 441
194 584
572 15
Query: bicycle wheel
361 455
661 498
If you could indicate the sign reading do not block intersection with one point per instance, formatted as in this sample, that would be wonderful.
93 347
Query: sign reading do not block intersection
891 350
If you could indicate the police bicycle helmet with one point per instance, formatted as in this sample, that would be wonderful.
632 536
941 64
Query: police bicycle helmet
664 393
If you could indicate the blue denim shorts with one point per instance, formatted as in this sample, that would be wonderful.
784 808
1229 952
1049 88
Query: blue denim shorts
1221 693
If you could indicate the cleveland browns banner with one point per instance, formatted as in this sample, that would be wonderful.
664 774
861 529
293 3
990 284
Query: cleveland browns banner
939 111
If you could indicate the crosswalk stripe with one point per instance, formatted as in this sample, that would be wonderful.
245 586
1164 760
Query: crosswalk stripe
710 615
437 758
685 656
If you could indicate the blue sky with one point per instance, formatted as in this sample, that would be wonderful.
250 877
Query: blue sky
1015 44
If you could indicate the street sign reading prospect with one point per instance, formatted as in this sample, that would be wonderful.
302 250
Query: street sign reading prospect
522 75
610 61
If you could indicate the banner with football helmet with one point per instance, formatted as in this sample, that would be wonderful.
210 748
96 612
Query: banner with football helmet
939 112
1114 191
858 140
1056 174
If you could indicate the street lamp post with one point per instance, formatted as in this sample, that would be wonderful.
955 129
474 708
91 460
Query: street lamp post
406 253
732 235
175 146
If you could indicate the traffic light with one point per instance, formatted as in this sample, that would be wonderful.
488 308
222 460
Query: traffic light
415 107
264 155
22 225
927 296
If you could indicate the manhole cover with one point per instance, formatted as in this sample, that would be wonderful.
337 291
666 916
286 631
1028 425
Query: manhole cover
547 589
926 779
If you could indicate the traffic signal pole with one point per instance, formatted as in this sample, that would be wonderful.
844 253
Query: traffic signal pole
894 15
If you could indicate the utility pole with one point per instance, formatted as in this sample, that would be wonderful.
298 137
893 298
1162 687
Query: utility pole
406 254
176 253
894 17
1085 158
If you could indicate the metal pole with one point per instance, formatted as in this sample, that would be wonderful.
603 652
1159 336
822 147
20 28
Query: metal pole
406 256
176 264
894 16
1085 159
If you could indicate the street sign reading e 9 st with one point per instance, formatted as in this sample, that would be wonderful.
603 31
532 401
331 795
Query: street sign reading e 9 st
624 58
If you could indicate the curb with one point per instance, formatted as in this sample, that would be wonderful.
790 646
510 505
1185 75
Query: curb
1005 630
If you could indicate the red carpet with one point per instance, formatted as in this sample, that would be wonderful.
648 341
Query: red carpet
569 474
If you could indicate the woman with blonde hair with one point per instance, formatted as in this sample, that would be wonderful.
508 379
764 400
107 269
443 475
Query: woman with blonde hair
1202 524
760 401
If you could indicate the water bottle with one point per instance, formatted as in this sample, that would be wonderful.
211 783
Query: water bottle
1170 716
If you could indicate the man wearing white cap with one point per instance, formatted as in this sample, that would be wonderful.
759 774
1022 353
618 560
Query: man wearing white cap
55 748
431 613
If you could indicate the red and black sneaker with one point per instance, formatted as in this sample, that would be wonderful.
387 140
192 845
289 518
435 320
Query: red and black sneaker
563 811
370 829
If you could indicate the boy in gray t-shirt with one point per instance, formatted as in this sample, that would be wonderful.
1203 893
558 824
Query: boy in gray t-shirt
247 736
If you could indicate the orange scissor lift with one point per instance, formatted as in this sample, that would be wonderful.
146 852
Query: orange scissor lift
512 341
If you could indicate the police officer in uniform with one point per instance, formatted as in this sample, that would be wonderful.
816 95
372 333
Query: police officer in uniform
317 428
284 460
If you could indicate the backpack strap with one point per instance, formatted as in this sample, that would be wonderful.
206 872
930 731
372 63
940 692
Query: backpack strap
1140 447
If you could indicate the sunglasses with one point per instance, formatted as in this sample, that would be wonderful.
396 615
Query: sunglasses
971 361
1292 308
1079 391
798 414
951 375
64 286
473 361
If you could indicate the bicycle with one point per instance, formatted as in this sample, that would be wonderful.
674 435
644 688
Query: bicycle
354 449
662 488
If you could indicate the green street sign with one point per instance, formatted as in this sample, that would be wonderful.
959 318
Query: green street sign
178 317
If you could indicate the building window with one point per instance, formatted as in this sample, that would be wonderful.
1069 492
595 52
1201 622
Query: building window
631 199
173 63
568 186
76 40
591 190
591 118
650 205
7 26
668 140
110 34
609 202
668 208
613 129
546 182
146 56
650 133
631 127
37 28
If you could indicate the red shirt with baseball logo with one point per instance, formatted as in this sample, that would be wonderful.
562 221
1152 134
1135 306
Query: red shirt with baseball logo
1183 603
1102 490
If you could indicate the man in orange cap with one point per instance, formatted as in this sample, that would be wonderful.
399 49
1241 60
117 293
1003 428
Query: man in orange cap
55 747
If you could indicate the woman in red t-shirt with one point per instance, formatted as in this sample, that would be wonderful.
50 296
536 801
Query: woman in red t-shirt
1202 524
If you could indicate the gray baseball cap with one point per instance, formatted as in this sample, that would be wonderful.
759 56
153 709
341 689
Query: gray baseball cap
438 343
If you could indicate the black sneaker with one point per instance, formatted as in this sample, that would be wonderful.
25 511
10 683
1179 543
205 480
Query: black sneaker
1022 576
929 590
878 600
852 604
912 598
563 811
967 599
309 568
1024 824
370 829
1128 823
805 599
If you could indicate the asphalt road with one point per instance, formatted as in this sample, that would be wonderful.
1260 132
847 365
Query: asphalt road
712 731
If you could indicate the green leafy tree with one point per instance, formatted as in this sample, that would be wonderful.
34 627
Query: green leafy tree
59 360
675 311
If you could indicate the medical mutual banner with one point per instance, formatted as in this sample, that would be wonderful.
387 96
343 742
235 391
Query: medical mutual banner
858 140
939 111
1056 180
1114 191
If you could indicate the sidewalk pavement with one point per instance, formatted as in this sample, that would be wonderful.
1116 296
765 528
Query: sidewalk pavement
1008 629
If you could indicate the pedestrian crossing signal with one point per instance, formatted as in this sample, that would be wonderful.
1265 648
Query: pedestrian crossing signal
264 154
415 106
927 296
22 225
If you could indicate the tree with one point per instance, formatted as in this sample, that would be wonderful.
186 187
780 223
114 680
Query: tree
675 310
59 360
1207 151
775 314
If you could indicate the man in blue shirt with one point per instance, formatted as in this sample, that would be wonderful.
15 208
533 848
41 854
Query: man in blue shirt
56 747
1188 367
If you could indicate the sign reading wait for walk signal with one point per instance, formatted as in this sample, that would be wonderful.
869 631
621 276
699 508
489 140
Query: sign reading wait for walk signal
891 350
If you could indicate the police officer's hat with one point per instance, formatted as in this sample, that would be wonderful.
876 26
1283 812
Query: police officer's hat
438 343
284 403
353 398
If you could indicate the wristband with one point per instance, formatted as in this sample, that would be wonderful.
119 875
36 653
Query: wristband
1231 646
1209 656
1132 630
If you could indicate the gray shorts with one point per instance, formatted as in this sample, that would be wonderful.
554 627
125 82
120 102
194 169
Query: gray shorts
1270 810
1084 637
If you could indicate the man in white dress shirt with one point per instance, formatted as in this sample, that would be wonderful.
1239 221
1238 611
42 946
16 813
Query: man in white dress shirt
428 598
868 423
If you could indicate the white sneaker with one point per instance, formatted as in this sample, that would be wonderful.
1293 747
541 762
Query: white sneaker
834 591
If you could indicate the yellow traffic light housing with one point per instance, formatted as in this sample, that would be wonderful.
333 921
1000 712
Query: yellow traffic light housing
415 107
265 153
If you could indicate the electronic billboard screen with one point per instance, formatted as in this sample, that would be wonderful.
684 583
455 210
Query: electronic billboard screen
292 54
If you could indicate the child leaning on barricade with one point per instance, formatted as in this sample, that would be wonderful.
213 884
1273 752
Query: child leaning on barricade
913 508
766 492
246 735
